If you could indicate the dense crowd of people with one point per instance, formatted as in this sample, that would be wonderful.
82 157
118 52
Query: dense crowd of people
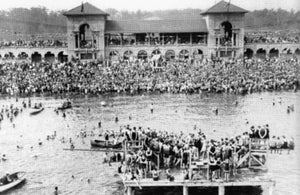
173 150
272 37
238 77
34 43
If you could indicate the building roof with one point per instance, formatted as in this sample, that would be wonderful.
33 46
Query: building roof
85 9
156 26
224 7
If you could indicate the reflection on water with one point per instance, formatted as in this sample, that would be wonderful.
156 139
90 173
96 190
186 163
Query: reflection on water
55 167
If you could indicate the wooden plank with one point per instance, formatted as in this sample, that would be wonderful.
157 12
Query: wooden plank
243 159
197 183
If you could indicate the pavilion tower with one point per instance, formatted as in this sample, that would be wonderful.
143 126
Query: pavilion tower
225 23
86 28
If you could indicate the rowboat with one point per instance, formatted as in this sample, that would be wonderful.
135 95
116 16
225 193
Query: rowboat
17 178
36 111
105 144
66 105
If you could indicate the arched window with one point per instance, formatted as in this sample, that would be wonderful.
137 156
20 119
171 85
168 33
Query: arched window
170 54
297 52
184 54
142 54
127 54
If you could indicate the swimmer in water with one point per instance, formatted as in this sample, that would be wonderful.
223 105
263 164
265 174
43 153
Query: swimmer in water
56 190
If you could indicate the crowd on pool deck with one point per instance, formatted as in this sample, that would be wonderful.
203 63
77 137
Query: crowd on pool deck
137 76
174 151
272 37
34 43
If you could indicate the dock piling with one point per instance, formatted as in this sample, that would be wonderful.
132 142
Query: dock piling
221 190
185 190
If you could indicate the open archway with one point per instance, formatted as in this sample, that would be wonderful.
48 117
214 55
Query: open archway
85 36
61 57
198 54
261 53
22 56
49 57
142 54
297 52
170 55
114 55
9 55
248 53
36 57
287 51
274 53
226 32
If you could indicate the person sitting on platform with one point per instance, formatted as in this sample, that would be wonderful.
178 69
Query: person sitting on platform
155 174
169 176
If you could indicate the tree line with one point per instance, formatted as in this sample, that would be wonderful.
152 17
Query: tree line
39 20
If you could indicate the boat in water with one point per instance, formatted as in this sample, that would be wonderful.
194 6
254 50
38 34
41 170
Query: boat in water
65 105
16 179
105 144
37 111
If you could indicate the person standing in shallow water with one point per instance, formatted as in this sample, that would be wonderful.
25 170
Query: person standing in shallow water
151 108
56 192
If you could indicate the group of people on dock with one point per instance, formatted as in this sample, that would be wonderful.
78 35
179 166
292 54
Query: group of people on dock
239 76
149 150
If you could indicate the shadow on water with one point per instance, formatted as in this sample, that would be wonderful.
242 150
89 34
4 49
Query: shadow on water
242 190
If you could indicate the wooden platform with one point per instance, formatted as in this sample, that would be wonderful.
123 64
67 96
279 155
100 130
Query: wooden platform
258 181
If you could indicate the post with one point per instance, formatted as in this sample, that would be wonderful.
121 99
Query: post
129 191
190 164
270 190
221 190
250 155
158 162
125 150
185 190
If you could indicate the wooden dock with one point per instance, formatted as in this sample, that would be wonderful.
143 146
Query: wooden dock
267 185
241 177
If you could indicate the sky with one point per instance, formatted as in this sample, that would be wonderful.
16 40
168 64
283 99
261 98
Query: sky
150 5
